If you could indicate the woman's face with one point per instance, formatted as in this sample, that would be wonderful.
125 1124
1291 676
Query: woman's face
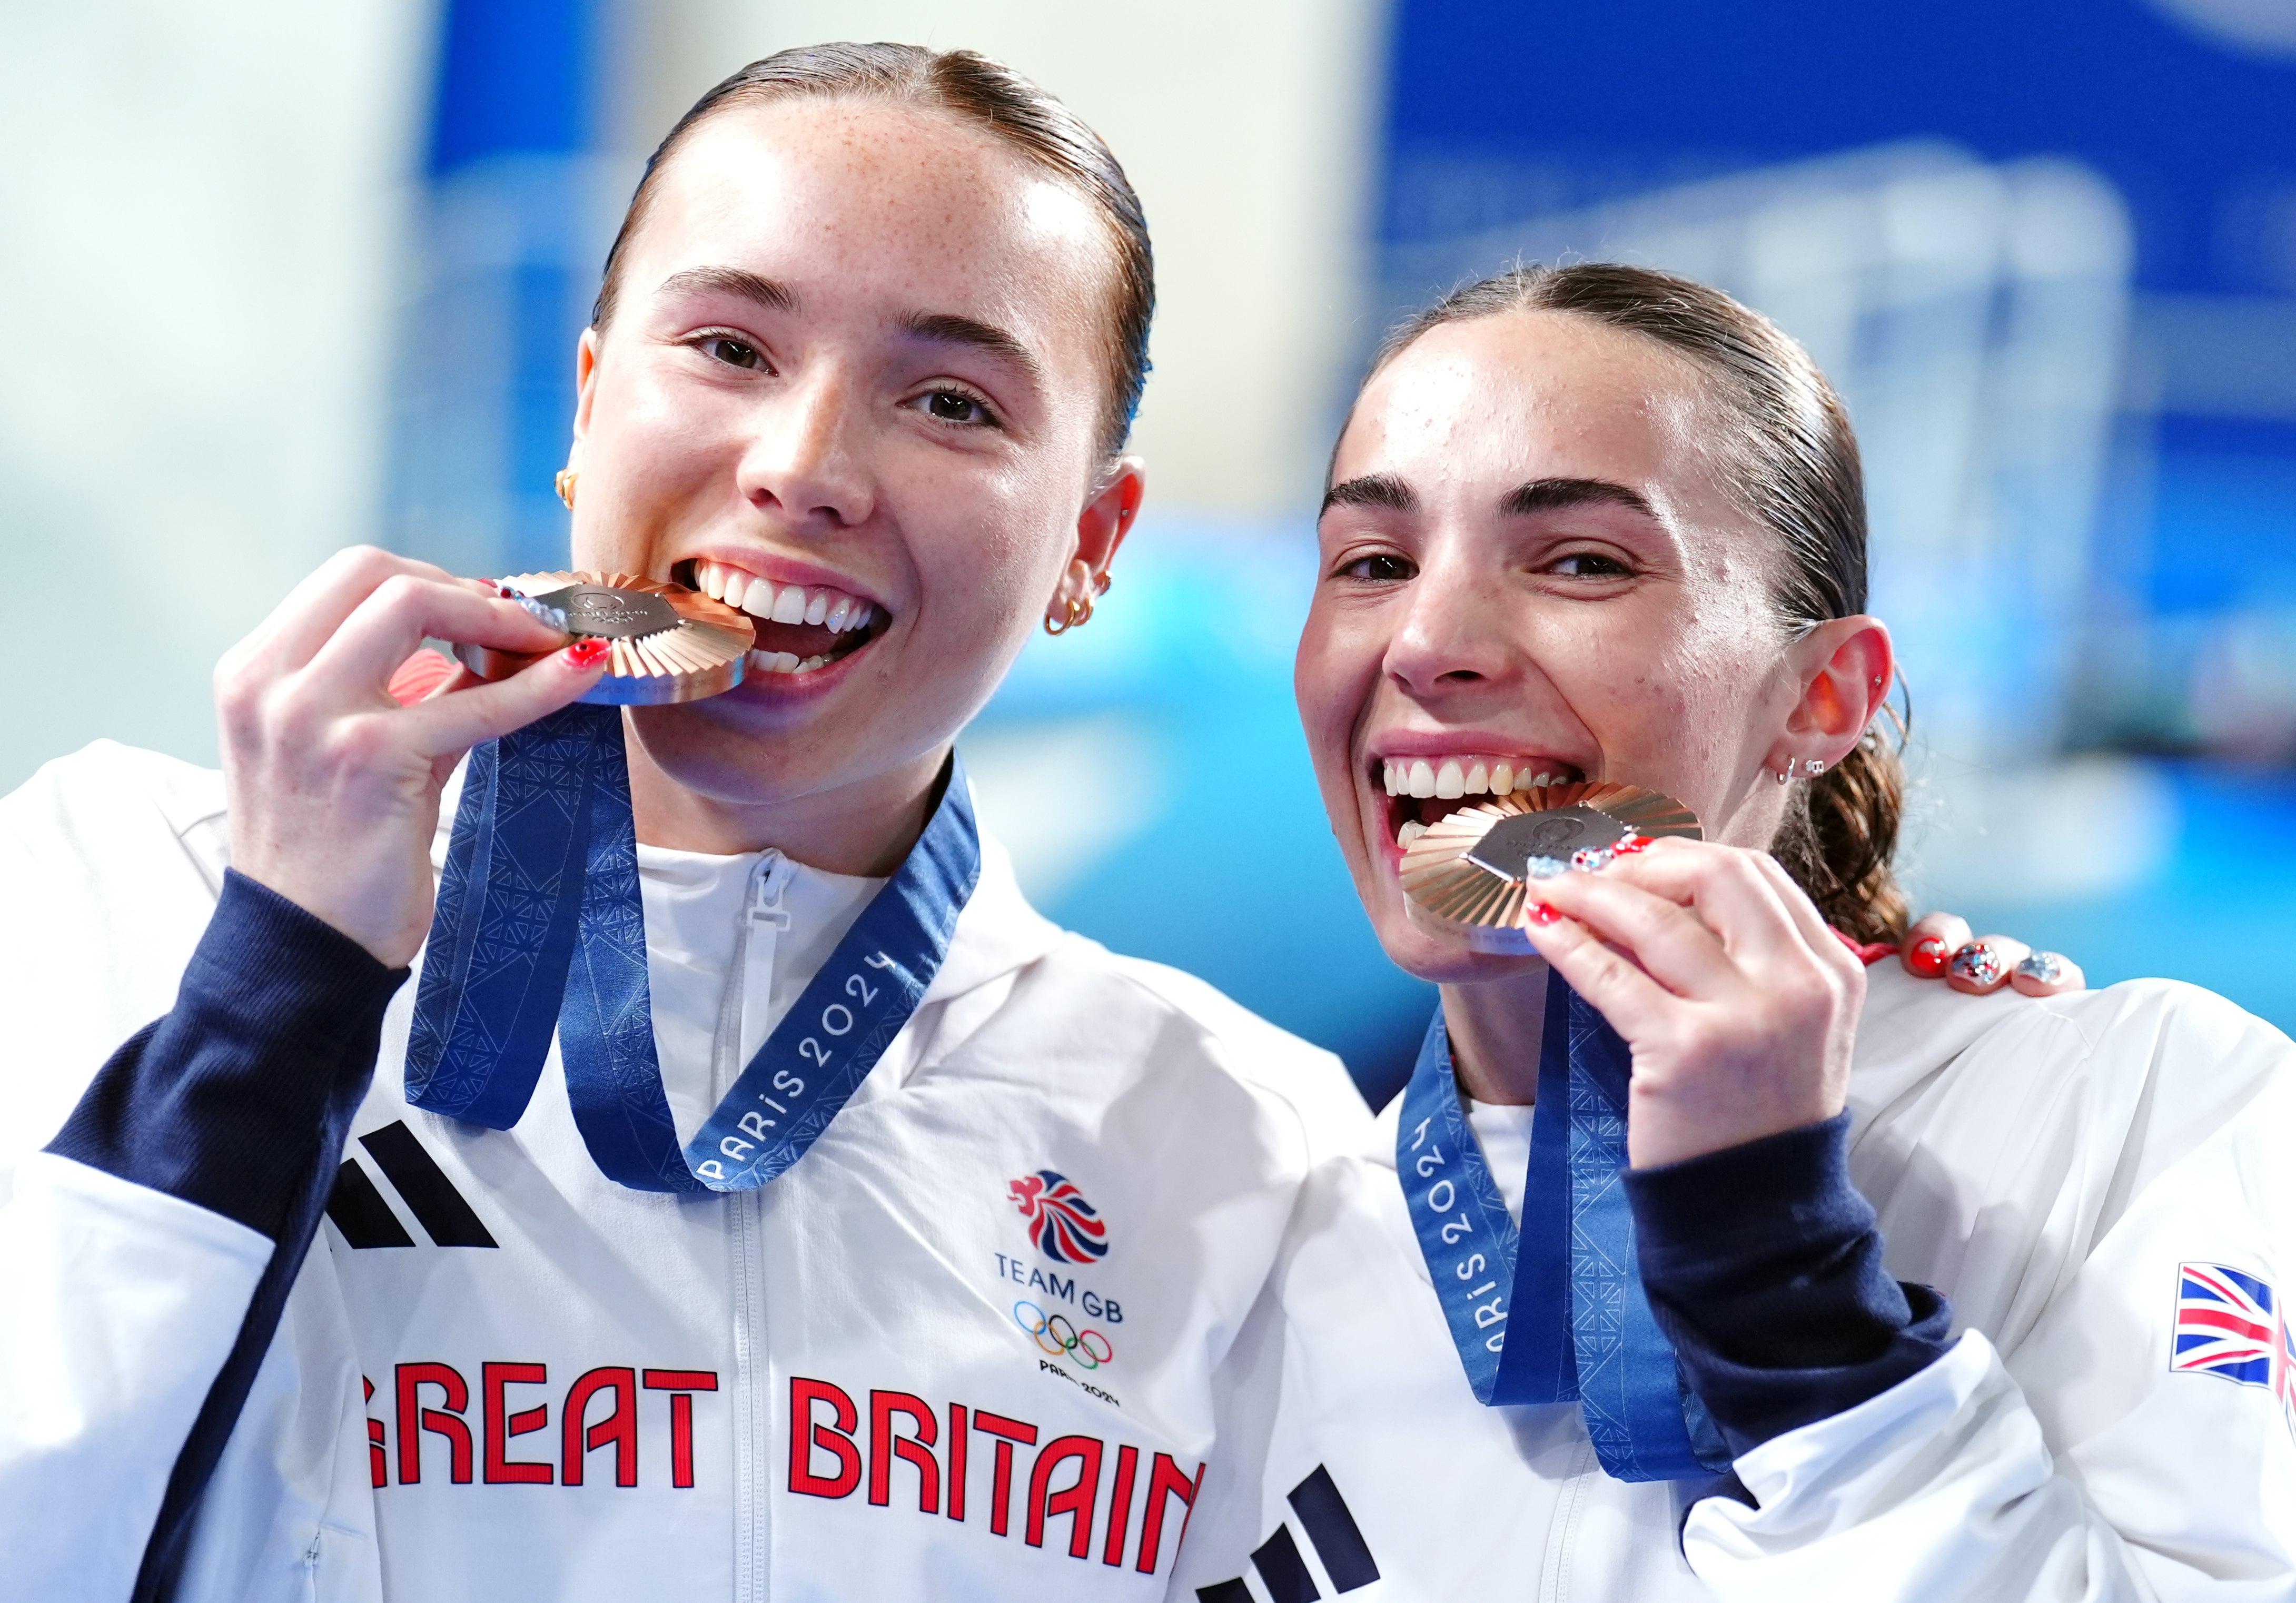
1529 562
853 383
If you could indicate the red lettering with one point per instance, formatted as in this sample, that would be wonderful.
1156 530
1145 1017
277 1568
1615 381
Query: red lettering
917 1451
378 1463
679 1383
1075 1501
501 1469
1165 1481
620 1427
1000 1482
958 1441
836 1440
413 1419
1119 1505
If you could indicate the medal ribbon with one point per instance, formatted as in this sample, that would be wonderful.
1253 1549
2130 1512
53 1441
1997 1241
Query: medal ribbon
540 929
1553 1311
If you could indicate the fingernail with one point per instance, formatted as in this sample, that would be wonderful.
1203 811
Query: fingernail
1541 914
589 654
1630 845
1977 963
504 590
1545 867
1929 957
1592 859
2047 968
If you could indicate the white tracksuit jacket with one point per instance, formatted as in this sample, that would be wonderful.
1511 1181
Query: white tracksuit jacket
500 1374
2050 1166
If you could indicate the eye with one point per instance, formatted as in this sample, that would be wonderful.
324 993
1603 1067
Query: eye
731 350
1589 564
1380 568
954 405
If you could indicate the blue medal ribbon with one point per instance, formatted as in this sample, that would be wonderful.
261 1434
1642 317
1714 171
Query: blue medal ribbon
540 929
1553 1311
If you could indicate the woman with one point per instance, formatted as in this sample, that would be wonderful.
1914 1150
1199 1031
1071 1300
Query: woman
867 355
1599 522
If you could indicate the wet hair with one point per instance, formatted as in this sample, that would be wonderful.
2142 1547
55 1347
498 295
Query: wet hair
1793 464
998 101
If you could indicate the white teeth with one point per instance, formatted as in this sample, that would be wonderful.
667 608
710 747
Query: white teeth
1422 779
789 606
862 613
817 608
835 617
1449 784
757 599
1391 775
1479 780
1411 831
1502 779
810 663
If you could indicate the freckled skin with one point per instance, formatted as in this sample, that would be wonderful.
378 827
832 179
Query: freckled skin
825 456
1677 675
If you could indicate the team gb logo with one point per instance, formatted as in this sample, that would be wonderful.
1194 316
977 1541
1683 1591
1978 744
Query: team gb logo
1061 1224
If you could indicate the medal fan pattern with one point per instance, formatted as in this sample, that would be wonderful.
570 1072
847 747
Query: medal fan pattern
668 642
1470 874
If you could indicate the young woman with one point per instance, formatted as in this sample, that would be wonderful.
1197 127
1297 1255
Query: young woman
1604 1313
864 362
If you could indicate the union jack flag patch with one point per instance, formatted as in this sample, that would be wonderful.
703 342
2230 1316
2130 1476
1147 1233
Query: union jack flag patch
2230 1324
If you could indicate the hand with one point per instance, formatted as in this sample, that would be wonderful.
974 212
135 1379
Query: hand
1739 1004
1939 946
333 787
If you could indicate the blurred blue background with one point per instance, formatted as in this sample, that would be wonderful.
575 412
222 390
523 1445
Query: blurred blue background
306 277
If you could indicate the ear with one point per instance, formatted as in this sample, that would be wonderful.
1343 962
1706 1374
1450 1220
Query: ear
1845 666
585 380
1101 528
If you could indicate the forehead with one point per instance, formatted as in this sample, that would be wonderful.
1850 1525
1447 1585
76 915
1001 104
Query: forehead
841 199
1487 403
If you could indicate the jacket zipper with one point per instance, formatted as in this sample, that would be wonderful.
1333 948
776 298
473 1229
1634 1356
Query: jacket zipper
762 916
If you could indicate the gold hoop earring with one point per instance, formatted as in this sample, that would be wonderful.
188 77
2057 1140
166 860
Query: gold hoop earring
565 483
1079 614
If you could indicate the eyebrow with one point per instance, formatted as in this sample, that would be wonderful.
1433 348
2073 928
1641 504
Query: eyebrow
948 328
1551 495
1384 491
731 280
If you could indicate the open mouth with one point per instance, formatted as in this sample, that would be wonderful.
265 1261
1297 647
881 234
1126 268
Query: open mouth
1426 790
801 628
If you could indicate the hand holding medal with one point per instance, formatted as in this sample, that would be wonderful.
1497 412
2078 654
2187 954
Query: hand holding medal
1739 1004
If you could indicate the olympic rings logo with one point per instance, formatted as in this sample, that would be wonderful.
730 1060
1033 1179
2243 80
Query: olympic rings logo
1061 1338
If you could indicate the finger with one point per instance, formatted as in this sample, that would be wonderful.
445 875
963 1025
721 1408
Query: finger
1822 938
1982 966
1723 886
405 610
2047 974
303 623
448 725
421 675
1930 945
1635 1003
1667 941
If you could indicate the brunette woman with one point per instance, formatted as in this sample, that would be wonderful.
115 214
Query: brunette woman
1700 1259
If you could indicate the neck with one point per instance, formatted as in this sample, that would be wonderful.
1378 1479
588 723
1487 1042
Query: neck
865 828
1495 1027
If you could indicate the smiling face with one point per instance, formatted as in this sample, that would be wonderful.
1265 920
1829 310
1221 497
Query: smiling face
852 384
1532 570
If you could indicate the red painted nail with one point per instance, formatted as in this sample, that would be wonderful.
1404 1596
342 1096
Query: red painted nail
1542 914
1930 957
1631 844
589 654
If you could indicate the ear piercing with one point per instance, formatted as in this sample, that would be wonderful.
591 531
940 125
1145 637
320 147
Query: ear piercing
564 484
1813 767
1078 611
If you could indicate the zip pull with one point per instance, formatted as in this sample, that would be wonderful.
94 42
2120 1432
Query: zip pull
768 882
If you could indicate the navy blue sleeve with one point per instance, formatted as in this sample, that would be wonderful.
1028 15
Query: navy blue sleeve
1763 1265
239 1100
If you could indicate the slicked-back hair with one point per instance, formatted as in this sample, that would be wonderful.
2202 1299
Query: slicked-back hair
1793 464
998 101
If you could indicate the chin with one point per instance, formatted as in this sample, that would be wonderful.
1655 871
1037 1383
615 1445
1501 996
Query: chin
1438 959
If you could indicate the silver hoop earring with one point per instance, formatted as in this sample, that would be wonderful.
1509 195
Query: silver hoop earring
1785 773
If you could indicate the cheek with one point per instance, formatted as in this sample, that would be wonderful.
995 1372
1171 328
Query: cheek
1337 665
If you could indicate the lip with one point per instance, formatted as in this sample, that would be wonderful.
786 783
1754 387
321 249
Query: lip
781 571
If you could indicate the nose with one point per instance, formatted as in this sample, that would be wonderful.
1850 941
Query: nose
1452 633
808 462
